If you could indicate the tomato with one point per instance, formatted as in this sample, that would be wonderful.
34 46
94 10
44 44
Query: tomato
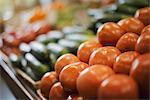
57 92
118 86
143 15
69 75
131 25
140 71
64 60
124 61
47 82
143 44
90 79
86 49
109 33
104 55
127 42
74 97
146 30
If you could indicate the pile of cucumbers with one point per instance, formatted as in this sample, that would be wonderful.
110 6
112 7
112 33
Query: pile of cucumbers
123 9
39 56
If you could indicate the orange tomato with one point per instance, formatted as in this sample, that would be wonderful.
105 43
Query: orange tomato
109 33
86 49
131 25
127 42
90 79
64 60
69 75
118 87
104 55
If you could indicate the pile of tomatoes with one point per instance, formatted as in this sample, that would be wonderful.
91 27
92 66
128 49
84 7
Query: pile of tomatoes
114 67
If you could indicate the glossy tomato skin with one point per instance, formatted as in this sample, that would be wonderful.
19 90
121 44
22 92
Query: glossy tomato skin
118 87
109 33
131 25
124 61
74 97
104 55
140 71
127 42
57 92
90 79
64 60
146 30
143 15
143 44
86 49
47 82
69 75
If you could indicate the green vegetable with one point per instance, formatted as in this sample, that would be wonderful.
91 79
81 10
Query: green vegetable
72 46
55 35
15 60
36 66
40 52
24 48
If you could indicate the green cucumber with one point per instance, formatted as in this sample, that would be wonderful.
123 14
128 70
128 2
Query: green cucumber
55 35
57 49
44 39
15 60
36 65
40 52
24 48
72 46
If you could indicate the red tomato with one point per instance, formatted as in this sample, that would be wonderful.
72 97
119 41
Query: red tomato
47 82
140 71
64 60
143 44
118 87
146 30
86 49
90 79
124 61
104 55
143 15
109 33
74 97
57 92
131 25
127 42
69 75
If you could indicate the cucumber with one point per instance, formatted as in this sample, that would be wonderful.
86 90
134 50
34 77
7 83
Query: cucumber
126 9
76 37
136 3
28 70
44 39
36 66
55 35
57 49
24 48
15 60
72 46
53 58
40 52
73 29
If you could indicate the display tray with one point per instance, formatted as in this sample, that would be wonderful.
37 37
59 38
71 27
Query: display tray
21 85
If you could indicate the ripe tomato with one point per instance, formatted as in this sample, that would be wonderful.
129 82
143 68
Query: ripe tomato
143 15
143 44
90 79
69 75
127 42
64 60
140 71
131 25
146 30
47 82
109 33
57 92
124 61
117 87
86 49
104 55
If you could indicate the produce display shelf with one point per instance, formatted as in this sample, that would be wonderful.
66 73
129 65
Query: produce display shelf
20 87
